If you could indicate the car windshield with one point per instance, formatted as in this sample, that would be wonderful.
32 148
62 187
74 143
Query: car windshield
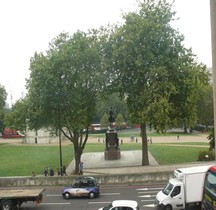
76 184
108 207
210 182
168 189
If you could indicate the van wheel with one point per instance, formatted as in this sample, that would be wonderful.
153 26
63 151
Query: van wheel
167 207
6 205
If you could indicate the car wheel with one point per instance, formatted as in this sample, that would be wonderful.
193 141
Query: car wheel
91 195
167 207
67 195
6 205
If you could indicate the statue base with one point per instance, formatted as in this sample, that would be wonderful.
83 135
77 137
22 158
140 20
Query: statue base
112 151
112 154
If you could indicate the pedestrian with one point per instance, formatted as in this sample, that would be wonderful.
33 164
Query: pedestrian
58 172
121 141
81 168
33 173
64 170
51 172
45 172
178 137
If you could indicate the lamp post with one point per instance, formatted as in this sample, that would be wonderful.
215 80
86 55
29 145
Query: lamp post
213 39
59 113
60 146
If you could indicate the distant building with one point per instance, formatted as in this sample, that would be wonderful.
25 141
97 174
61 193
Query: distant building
42 136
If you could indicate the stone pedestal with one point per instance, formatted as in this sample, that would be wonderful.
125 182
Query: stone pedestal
112 150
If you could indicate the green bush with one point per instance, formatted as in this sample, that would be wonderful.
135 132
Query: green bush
206 156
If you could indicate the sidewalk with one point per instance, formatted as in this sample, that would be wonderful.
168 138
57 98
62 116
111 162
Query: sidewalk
130 163
95 161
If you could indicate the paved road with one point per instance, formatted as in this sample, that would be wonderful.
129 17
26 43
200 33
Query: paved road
143 194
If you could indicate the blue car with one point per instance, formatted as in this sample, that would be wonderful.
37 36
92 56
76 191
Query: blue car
83 187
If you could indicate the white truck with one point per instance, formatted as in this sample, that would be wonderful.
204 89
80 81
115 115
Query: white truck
184 190
11 199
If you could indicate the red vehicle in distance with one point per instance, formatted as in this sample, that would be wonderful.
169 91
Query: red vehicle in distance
10 133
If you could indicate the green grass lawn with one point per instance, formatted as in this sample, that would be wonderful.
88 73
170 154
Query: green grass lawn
189 143
174 155
23 159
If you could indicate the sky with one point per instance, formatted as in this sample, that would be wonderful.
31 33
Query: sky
28 26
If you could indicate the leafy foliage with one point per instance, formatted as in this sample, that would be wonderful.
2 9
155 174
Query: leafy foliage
206 156
3 97
144 60
63 87
205 105
17 116
104 121
211 139
107 101
119 121
157 75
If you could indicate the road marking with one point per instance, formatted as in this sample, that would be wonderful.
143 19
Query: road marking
144 196
149 189
147 192
147 200
55 203
99 202
110 194
150 205
53 195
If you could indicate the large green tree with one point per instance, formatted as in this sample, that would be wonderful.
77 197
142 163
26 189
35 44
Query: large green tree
154 71
63 87
17 116
205 106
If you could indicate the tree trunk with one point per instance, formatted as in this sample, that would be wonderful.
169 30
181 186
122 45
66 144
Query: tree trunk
77 163
145 160
77 157
79 144
185 129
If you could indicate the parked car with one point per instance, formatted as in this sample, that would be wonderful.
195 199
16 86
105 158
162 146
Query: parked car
82 187
122 205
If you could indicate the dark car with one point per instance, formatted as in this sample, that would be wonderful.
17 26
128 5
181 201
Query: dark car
83 187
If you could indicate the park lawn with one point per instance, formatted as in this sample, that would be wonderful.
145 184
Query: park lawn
186 143
21 160
166 154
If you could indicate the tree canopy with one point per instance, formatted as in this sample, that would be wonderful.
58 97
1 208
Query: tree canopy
17 116
3 97
63 87
144 60
156 74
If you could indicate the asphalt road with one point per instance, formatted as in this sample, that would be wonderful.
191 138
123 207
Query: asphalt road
143 194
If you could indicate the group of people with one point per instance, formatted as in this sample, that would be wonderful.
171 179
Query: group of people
50 171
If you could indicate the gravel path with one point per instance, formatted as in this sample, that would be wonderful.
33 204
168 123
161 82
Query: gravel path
156 139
